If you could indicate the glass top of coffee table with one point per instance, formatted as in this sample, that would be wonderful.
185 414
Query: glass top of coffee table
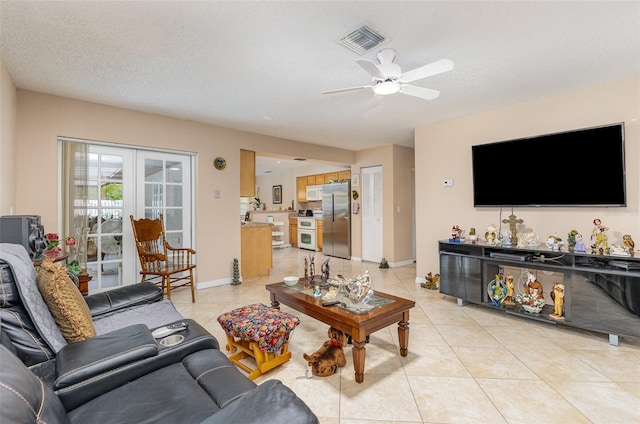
342 296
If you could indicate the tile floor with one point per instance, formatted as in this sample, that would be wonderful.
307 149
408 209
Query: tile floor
465 365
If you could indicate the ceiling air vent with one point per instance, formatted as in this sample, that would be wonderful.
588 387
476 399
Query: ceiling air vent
363 39
300 159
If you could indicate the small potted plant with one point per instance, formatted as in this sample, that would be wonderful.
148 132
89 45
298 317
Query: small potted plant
473 237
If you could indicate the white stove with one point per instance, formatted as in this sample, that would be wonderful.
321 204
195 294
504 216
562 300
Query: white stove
307 233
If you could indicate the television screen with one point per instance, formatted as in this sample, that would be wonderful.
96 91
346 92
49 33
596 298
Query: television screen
574 168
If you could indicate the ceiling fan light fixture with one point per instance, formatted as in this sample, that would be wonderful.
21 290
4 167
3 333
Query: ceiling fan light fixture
385 88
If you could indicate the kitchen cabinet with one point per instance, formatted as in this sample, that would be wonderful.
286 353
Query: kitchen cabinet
344 175
320 179
319 234
330 176
301 189
293 232
311 180
247 173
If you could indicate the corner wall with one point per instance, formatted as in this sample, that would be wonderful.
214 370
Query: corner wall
8 113
443 150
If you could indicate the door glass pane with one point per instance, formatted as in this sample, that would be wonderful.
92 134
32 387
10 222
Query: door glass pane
152 213
174 195
175 239
152 195
111 167
174 172
173 219
153 170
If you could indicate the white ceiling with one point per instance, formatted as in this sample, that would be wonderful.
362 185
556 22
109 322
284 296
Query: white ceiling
262 66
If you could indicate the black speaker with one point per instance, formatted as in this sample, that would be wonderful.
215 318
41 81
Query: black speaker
25 230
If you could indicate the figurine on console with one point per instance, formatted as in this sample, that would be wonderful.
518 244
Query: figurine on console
491 235
557 295
506 240
532 238
580 247
599 241
628 242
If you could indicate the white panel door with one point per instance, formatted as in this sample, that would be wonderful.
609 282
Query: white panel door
372 214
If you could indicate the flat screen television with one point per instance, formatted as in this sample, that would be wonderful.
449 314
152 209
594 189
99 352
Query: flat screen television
574 168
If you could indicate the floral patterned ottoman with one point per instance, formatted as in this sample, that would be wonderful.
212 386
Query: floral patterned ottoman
259 332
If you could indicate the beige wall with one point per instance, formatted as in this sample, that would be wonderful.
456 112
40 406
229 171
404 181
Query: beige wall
7 142
443 150
41 119
396 162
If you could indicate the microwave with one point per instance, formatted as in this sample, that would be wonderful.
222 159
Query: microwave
314 192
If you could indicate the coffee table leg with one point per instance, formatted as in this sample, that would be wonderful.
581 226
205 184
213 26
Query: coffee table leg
403 334
359 352
274 301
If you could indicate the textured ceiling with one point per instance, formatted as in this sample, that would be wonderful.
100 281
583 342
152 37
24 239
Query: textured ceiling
261 66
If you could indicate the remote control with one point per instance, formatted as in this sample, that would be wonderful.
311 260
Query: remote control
331 303
161 332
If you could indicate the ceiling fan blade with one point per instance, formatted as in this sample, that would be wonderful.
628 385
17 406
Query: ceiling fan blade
340 90
371 67
423 93
425 71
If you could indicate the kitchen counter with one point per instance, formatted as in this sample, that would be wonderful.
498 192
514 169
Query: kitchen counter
255 224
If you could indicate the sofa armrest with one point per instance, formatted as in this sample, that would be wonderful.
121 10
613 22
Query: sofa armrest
271 401
123 297
85 360
92 367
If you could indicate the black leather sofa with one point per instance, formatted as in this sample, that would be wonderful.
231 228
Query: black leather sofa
125 375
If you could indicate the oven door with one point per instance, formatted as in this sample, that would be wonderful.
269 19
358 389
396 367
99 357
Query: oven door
307 239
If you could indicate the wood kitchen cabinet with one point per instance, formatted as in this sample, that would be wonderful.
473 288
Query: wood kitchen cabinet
344 175
320 179
293 232
319 234
301 189
311 180
247 173
330 176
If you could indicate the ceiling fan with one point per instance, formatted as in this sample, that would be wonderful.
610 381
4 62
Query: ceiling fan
389 79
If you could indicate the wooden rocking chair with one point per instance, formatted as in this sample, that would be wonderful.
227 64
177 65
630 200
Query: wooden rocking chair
160 260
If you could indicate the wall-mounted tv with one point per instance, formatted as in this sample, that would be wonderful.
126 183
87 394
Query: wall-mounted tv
575 168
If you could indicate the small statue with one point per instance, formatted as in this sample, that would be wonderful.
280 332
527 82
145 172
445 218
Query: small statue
506 240
324 268
312 266
522 240
497 291
306 268
532 238
508 301
432 282
598 236
557 294
571 240
533 287
628 243
317 292
579 247
492 234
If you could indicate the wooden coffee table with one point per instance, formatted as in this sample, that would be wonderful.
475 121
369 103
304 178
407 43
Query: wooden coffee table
359 324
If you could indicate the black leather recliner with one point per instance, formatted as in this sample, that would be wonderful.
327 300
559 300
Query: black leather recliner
125 375
203 387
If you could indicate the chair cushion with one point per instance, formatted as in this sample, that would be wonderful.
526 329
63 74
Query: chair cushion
68 307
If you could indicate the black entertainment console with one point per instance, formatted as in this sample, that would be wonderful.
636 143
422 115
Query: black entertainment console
602 292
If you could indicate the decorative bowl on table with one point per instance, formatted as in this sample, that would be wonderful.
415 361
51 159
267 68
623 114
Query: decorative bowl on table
291 281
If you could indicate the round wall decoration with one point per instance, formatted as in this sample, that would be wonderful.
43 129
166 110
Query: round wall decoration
219 163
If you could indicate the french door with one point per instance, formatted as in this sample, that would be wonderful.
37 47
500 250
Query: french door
125 181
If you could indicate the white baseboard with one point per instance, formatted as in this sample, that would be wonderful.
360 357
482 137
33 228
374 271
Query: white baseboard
214 283
420 280
356 259
403 263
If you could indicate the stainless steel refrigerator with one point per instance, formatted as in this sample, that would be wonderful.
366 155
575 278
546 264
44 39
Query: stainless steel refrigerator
336 222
